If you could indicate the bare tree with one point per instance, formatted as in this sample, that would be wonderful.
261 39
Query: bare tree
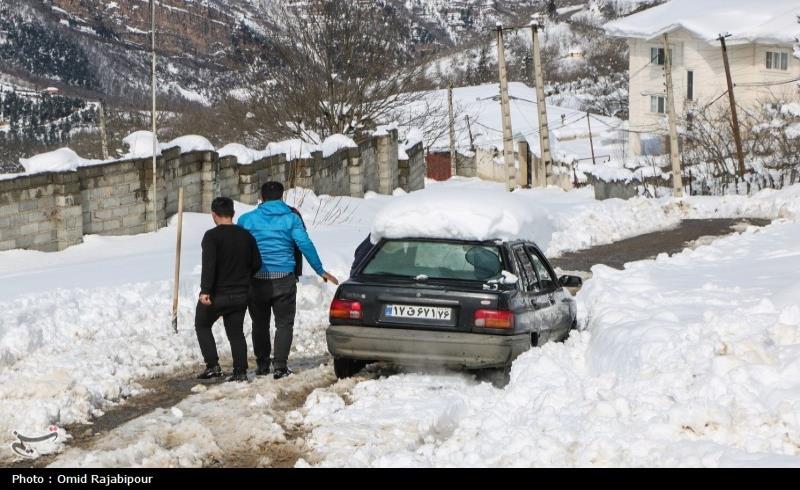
339 66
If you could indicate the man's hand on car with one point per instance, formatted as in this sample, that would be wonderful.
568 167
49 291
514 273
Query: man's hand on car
328 277
205 299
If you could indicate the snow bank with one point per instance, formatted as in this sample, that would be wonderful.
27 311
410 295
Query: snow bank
140 145
293 149
189 143
61 160
243 154
334 143
767 203
556 220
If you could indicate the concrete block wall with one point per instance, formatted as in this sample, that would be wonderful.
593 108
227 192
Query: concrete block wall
114 197
466 166
411 172
51 211
40 212
333 175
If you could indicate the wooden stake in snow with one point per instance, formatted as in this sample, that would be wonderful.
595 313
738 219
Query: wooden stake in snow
177 284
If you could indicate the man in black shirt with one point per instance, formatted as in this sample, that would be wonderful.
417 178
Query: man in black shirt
230 258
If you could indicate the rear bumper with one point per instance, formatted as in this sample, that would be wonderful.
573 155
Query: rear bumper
403 346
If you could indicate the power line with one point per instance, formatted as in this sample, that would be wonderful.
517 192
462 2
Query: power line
767 84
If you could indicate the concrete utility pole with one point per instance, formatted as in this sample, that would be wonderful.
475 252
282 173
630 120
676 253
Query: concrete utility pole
734 116
508 138
103 137
545 161
153 113
452 130
677 180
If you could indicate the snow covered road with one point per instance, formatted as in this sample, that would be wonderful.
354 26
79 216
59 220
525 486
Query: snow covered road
83 327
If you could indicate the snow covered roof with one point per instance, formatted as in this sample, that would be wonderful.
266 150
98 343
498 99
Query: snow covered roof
754 21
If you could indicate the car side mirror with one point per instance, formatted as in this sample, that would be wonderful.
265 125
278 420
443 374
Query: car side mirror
570 281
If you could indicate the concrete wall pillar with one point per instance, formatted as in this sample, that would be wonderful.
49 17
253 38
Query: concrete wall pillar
68 213
524 164
388 170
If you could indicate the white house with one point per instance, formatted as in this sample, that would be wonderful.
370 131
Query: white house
760 51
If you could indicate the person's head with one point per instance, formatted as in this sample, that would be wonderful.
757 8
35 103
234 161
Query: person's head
271 191
222 210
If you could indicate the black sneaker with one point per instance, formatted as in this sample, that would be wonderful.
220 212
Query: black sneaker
262 370
281 373
237 376
211 372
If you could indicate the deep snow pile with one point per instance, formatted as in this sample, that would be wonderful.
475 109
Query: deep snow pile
692 360
557 221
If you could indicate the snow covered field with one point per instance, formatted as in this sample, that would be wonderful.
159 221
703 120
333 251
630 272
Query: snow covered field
83 326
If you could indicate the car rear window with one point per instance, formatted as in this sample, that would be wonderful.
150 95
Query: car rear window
436 260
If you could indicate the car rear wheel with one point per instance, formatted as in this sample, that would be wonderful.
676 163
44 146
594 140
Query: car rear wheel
346 368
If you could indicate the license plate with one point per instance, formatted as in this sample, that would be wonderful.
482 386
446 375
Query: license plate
421 312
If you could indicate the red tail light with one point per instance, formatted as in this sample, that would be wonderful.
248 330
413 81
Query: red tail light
346 309
494 319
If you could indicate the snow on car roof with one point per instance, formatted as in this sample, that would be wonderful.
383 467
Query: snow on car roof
468 213
745 20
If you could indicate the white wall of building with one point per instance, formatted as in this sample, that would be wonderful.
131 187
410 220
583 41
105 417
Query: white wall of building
748 65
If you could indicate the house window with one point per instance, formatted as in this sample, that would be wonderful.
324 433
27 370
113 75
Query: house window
658 104
690 85
777 61
657 56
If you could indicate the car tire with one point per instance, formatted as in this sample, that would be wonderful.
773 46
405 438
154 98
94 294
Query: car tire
346 368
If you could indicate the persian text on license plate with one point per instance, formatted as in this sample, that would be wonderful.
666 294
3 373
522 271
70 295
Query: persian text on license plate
422 312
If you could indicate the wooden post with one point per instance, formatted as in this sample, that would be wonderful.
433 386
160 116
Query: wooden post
505 109
545 159
177 282
591 140
734 116
452 130
677 180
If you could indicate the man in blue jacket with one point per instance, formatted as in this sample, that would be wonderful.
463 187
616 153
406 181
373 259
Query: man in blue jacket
277 230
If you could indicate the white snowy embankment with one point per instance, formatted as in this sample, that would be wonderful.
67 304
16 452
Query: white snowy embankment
557 221
692 360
